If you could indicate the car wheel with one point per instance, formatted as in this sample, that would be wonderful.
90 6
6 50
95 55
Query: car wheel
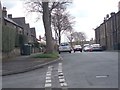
59 52
69 51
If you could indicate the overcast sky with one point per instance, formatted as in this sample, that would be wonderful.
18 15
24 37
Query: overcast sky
88 14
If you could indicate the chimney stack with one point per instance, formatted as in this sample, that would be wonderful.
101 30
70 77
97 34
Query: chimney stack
119 6
10 16
4 12
0 14
112 14
0 6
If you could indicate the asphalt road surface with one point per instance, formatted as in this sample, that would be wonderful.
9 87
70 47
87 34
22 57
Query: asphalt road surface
76 70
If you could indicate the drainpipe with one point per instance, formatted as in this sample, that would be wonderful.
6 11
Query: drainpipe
105 34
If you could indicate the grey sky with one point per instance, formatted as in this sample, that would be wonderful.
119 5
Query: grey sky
88 14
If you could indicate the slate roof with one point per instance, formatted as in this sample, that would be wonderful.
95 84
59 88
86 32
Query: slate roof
11 21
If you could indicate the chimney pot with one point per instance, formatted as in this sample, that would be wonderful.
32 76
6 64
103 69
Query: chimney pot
10 16
112 13
4 8
4 12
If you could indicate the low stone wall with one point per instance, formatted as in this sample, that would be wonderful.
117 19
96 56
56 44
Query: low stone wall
14 53
36 50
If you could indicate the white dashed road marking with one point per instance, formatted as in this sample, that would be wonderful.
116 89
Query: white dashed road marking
48 74
48 85
48 78
61 78
63 84
48 82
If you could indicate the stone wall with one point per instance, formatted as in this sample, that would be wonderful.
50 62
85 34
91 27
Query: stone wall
14 53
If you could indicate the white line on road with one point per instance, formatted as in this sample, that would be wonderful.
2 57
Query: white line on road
48 85
61 80
63 84
48 78
48 74
48 82
61 76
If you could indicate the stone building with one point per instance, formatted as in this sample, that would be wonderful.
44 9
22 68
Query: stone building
28 33
119 6
0 29
33 35
108 33
20 26
7 21
21 21
27 30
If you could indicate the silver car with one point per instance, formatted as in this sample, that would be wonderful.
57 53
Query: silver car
96 47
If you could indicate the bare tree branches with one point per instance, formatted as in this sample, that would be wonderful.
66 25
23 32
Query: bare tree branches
62 22
47 9
76 37
33 6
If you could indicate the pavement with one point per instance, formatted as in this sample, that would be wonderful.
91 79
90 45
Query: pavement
23 64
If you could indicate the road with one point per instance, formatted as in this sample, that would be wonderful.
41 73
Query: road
76 70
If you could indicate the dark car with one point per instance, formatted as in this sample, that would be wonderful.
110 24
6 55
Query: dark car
77 48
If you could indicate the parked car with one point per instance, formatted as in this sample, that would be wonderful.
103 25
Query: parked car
77 48
86 45
96 47
87 48
65 47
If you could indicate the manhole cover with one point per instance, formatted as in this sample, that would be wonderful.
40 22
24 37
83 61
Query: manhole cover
102 76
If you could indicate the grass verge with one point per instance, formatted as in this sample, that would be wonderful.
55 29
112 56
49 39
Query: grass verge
48 55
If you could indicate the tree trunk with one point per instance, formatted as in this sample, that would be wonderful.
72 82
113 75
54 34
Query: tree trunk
59 36
47 26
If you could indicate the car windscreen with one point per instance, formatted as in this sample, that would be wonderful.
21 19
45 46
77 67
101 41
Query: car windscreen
64 44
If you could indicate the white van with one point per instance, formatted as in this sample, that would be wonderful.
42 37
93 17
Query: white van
65 47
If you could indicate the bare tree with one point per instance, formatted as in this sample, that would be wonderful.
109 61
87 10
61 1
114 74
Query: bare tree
62 21
78 37
70 37
45 8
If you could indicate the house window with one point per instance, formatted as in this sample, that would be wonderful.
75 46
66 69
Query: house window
20 32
